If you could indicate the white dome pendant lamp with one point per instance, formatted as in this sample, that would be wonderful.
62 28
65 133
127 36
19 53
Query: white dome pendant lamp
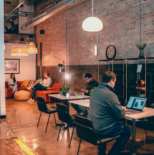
92 24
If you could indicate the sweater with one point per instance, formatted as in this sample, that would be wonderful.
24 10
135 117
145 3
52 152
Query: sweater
104 109
91 85
47 82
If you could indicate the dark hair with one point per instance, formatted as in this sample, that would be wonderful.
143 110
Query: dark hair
108 76
87 75
47 73
14 79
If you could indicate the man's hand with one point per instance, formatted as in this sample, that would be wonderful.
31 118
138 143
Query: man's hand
124 108
86 91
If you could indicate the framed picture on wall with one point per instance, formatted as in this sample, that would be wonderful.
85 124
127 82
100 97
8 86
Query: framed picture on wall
12 66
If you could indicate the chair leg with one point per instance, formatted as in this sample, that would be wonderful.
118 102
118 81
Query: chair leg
39 120
59 132
71 137
55 119
47 124
79 147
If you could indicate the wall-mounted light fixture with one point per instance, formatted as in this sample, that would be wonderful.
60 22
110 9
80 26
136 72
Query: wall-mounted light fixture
96 50
62 70
60 65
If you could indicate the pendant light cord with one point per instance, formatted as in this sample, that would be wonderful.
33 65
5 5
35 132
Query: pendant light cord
140 20
92 9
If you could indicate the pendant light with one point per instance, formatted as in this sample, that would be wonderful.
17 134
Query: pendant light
92 24
19 51
32 49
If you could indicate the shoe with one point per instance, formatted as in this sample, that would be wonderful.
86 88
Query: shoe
31 100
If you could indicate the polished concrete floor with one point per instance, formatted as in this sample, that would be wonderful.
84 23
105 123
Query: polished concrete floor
21 120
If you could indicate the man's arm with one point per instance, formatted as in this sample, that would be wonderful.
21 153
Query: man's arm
89 87
47 83
118 111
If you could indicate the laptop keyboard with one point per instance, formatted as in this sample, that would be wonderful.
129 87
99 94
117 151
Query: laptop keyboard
129 111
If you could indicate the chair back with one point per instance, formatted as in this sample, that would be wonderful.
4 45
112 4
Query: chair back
84 129
63 113
41 104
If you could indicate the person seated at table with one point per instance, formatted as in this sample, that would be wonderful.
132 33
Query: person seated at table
12 83
44 85
104 111
90 85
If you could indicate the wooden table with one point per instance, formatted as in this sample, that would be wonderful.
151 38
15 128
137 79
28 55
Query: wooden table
69 97
66 98
147 112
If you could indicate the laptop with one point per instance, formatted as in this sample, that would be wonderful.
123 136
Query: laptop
135 105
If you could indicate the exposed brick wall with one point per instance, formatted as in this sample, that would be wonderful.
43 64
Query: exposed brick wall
15 38
121 28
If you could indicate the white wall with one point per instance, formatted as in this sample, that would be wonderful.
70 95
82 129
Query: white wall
2 83
27 63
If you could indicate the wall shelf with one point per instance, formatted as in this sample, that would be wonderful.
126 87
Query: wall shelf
125 86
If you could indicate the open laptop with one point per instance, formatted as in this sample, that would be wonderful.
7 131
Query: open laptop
135 105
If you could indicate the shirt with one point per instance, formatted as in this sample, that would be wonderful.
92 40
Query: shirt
47 82
10 81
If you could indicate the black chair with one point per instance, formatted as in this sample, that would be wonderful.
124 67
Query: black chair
43 108
85 131
65 117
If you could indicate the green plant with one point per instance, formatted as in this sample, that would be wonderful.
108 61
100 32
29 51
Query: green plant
65 89
141 49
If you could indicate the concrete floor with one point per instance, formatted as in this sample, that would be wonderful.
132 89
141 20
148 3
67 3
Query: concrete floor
21 120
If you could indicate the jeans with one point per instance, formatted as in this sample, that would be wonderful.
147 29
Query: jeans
36 87
14 87
80 109
124 132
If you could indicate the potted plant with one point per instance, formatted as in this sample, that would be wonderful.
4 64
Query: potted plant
65 89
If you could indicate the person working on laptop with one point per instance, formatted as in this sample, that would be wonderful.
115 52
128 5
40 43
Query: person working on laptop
91 84
104 111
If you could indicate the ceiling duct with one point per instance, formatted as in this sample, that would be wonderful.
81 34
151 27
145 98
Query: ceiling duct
12 13
48 13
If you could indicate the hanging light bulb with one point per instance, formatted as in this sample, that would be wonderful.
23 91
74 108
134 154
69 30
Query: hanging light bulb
32 49
92 24
19 51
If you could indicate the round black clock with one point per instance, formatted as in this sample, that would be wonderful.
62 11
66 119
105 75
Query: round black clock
110 52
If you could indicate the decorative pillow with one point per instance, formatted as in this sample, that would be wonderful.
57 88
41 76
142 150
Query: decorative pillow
31 83
25 83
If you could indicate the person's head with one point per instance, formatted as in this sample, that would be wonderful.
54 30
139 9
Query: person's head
109 78
46 74
12 76
88 77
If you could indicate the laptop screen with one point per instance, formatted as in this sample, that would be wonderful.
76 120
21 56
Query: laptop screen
136 103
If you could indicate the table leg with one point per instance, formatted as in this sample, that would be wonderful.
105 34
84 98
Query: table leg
133 136
49 96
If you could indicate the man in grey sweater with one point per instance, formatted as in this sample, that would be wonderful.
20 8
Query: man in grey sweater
104 111
46 83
